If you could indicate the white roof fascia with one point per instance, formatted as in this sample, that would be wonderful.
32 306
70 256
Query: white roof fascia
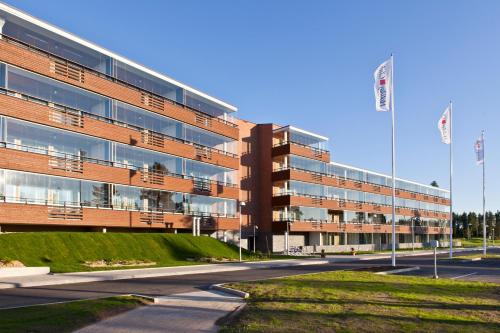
97 48
284 128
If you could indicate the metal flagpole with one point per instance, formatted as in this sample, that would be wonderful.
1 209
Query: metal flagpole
451 180
393 168
484 199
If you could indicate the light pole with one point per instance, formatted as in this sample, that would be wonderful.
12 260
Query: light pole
413 234
288 237
242 204
413 219
255 228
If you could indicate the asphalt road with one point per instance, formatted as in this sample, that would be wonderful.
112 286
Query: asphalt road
160 286
486 270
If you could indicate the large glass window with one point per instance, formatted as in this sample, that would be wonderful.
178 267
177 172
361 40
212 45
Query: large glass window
56 92
138 117
309 213
308 164
143 158
376 179
127 197
21 134
355 174
148 82
162 200
296 187
206 106
2 75
95 194
210 171
53 43
205 138
307 140
203 205
33 188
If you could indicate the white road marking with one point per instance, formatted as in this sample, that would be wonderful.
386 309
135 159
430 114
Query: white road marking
462 276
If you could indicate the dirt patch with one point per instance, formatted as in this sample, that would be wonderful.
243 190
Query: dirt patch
119 263
217 260
212 260
4 263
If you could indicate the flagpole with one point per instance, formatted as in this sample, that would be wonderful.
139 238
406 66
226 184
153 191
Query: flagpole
393 168
484 198
451 180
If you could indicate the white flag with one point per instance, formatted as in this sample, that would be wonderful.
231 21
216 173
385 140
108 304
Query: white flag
444 126
479 148
383 86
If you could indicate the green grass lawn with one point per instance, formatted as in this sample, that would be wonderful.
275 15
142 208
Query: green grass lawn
475 242
348 301
478 255
65 317
68 251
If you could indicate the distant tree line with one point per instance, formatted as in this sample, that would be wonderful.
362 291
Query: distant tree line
468 225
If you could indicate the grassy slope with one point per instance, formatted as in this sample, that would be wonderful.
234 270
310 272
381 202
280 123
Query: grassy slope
363 302
65 317
66 251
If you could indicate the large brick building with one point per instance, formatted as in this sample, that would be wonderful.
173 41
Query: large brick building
93 141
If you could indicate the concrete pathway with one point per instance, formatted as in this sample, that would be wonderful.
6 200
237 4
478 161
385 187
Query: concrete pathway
190 312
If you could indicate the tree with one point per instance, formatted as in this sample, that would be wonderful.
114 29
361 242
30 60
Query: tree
473 223
434 183
497 224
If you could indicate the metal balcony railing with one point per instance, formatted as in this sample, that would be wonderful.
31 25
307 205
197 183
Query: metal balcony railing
53 204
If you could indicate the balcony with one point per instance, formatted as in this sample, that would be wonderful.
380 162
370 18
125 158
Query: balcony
293 148
296 199
350 227
290 173
16 105
30 159
39 61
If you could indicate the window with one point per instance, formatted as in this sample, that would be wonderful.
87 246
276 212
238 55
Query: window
203 205
54 141
56 92
206 106
142 158
135 116
53 43
148 82
209 171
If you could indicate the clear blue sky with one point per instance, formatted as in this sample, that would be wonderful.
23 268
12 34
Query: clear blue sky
310 64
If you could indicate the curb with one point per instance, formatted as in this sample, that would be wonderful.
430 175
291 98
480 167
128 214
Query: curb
85 277
396 271
230 291
472 259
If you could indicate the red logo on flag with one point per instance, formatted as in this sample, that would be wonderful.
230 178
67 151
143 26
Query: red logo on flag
382 82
